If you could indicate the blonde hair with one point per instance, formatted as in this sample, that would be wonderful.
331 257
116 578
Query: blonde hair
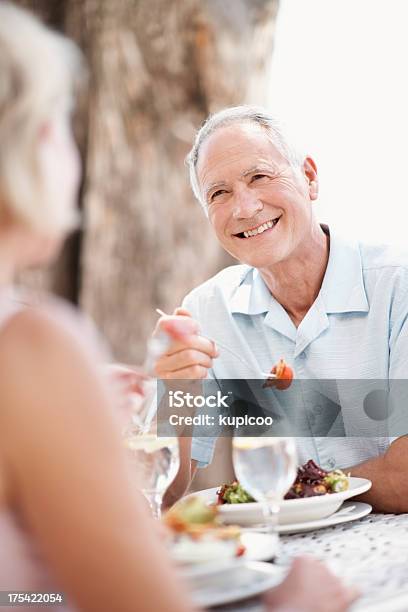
39 70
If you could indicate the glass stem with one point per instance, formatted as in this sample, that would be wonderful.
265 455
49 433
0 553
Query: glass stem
271 512
155 501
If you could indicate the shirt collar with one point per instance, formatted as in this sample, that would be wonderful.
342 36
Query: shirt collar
343 284
252 296
342 288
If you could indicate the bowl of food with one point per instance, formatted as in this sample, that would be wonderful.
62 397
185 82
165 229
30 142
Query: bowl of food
315 494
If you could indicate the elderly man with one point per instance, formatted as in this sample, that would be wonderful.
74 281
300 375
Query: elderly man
333 309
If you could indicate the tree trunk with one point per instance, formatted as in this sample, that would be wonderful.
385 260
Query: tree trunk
157 68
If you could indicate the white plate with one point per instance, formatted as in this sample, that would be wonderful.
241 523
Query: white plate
262 546
349 511
293 511
198 572
247 580
258 547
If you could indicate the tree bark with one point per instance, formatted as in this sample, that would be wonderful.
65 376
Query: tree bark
159 68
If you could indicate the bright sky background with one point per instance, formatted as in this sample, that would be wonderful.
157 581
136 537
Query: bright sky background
339 82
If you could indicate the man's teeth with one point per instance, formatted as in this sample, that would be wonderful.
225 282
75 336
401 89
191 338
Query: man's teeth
260 229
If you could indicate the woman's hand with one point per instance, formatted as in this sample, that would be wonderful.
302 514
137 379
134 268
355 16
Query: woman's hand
128 379
128 386
310 587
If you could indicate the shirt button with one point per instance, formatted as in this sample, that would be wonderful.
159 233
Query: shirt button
318 409
331 462
302 355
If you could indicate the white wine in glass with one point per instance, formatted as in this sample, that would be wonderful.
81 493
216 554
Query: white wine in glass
156 461
266 468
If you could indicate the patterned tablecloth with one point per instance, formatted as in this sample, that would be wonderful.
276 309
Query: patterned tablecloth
371 553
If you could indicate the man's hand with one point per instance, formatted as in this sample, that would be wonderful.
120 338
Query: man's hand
389 475
310 587
190 355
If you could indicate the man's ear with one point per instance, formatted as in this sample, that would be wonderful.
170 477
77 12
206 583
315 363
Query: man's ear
310 172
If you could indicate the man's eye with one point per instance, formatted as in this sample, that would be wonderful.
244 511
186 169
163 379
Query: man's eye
217 193
257 177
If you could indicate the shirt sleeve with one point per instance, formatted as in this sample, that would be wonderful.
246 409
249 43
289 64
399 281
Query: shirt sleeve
398 369
202 451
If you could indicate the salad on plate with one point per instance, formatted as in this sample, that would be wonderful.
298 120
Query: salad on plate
311 480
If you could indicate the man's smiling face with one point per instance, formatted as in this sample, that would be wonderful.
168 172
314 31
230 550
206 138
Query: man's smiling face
258 204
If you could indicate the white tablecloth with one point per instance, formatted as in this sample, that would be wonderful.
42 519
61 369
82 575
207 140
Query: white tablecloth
371 553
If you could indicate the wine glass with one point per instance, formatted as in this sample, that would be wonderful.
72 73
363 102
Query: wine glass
156 460
266 468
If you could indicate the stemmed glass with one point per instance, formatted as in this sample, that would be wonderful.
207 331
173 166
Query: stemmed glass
266 468
156 461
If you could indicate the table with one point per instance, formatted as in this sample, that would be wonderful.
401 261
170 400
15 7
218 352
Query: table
371 553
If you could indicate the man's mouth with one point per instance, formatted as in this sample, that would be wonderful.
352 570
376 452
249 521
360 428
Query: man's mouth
259 229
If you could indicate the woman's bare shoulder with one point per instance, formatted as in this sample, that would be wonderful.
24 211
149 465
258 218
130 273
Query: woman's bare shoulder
52 393
40 356
37 330
29 336
26 344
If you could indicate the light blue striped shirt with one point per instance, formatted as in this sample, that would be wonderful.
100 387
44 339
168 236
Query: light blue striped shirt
355 330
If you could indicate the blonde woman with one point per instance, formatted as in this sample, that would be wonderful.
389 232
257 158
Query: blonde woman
68 519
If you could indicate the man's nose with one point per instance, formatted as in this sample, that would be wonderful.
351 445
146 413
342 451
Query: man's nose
246 203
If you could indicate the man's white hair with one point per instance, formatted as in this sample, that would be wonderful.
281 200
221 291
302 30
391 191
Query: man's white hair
240 114
38 73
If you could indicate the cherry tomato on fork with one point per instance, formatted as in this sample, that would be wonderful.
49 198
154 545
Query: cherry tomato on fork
283 376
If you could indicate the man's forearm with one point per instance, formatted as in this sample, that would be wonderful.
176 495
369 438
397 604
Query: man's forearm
389 475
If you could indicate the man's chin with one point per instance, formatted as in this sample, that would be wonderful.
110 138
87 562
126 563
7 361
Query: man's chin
261 254
257 260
